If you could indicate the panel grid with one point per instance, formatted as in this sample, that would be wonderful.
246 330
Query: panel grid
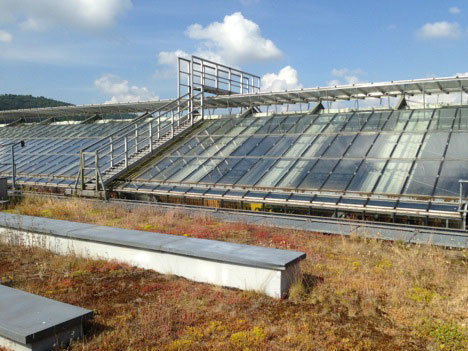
387 152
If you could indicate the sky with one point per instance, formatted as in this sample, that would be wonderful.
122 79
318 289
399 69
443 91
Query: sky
95 51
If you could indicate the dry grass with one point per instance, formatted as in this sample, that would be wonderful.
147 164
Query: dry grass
355 294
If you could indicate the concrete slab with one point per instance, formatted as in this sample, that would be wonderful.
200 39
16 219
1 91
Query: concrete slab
247 267
37 323
249 255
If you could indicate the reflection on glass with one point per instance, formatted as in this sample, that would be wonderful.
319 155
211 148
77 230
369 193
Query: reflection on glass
422 178
277 171
342 175
318 174
366 176
384 145
393 177
451 173
408 145
434 145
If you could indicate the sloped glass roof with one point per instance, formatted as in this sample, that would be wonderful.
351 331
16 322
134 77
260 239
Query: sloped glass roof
51 152
388 153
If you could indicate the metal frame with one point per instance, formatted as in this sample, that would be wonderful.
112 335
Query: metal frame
115 153
13 163
253 97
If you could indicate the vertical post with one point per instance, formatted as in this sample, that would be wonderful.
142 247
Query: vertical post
151 136
216 75
111 151
96 161
242 83
13 167
178 77
464 217
126 151
136 137
172 124
178 81
461 194
202 102
159 122
191 87
229 79
82 170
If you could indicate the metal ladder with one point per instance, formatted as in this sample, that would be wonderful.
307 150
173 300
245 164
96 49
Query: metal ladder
108 158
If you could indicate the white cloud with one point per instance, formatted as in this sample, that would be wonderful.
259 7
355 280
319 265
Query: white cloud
345 76
121 91
285 79
78 14
5 36
169 58
440 30
234 41
454 10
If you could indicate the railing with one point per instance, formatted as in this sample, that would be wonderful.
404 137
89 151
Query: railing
139 136
199 74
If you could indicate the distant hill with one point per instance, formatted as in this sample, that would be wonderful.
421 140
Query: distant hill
15 102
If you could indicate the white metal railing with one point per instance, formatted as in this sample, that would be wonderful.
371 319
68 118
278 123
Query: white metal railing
197 73
137 138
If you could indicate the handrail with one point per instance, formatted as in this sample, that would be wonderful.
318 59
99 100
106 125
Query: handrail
136 136
144 124
136 120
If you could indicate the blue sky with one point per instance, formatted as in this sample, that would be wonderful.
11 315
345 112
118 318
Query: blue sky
92 51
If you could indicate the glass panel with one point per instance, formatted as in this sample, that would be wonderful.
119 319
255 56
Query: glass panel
302 143
221 169
302 124
271 124
266 144
397 120
278 170
419 121
451 173
393 177
366 176
238 171
247 146
229 147
319 123
256 172
457 147
296 174
187 169
357 121
318 175
342 175
461 121
319 146
286 124
216 145
338 122
174 166
422 178
443 119
202 145
376 121
383 146
360 145
407 146
255 126
202 169
282 145
339 146
434 145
